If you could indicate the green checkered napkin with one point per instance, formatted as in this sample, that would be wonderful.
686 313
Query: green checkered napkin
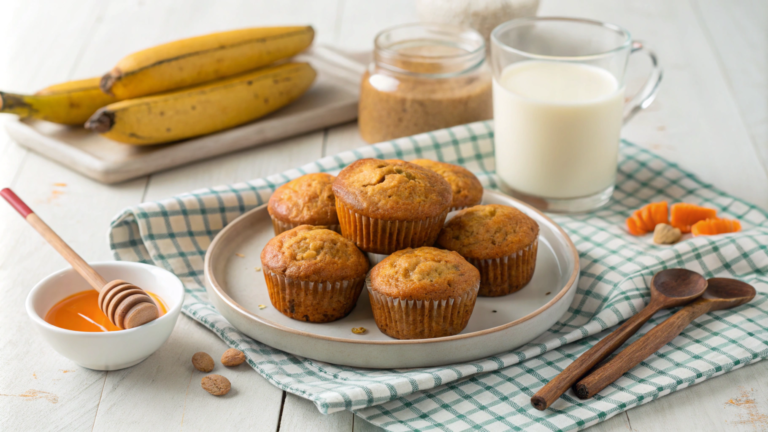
494 393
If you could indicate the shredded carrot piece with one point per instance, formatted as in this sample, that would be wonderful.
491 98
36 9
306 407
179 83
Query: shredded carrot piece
684 215
633 225
647 217
715 226
639 221
660 212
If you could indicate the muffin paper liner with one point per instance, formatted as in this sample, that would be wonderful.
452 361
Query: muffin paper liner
313 301
502 276
374 258
281 226
457 208
421 319
386 236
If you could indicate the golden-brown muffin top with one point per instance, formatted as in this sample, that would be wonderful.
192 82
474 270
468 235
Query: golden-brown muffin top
306 200
488 231
314 254
467 189
425 273
392 190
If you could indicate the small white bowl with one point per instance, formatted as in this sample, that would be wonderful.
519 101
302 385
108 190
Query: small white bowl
111 350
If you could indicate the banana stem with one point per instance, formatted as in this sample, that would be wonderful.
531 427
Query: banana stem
101 122
15 104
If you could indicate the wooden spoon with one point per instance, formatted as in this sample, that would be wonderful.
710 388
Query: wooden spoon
721 293
126 305
669 288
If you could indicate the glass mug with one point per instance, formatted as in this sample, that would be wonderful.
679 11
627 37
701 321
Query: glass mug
558 107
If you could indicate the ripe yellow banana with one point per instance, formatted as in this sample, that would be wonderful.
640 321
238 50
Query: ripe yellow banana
196 60
205 109
69 103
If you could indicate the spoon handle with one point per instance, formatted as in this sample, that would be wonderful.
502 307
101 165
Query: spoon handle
563 381
639 350
77 263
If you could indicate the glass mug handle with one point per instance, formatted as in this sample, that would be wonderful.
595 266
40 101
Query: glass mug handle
645 97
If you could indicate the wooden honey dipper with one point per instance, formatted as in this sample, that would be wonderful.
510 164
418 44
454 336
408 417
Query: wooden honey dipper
126 305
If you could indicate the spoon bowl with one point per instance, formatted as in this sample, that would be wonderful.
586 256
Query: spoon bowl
728 293
676 287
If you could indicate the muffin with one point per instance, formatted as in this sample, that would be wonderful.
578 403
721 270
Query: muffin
308 200
466 188
423 293
385 206
500 241
313 274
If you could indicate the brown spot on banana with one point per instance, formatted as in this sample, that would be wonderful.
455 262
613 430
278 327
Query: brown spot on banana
101 121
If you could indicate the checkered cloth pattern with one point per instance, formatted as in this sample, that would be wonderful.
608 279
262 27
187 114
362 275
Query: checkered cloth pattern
494 393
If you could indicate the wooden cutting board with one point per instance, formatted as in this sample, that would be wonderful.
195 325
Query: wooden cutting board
331 100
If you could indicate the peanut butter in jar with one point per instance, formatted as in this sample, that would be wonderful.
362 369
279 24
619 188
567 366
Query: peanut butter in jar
424 77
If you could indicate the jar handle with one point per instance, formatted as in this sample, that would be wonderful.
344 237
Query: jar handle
645 97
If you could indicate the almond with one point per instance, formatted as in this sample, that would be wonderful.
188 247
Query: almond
216 385
202 362
232 357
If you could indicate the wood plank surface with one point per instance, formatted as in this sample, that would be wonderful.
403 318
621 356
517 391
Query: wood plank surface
40 390
710 116
739 35
300 414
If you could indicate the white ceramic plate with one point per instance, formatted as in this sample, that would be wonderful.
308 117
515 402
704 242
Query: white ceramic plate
497 324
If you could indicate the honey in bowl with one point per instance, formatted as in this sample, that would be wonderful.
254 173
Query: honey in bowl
81 312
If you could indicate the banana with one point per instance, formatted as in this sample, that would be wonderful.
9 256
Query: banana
196 60
205 109
69 103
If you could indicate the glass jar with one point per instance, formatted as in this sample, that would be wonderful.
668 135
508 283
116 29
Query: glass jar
424 77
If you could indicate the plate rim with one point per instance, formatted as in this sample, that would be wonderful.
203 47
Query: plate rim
221 293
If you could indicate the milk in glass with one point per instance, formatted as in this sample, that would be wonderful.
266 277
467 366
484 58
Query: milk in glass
557 127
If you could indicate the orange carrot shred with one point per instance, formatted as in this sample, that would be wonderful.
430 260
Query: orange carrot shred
637 215
633 225
660 212
645 214
715 226
685 215
651 215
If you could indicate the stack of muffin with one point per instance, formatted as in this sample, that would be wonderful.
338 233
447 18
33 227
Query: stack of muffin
394 211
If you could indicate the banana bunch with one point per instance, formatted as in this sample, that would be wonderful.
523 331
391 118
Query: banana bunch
181 89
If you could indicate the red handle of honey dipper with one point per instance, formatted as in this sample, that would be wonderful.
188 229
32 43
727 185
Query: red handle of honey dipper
16 202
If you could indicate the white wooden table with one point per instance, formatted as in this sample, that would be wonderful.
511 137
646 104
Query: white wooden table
711 117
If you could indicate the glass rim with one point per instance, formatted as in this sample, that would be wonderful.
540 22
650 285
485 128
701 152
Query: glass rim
626 44
430 25
473 58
